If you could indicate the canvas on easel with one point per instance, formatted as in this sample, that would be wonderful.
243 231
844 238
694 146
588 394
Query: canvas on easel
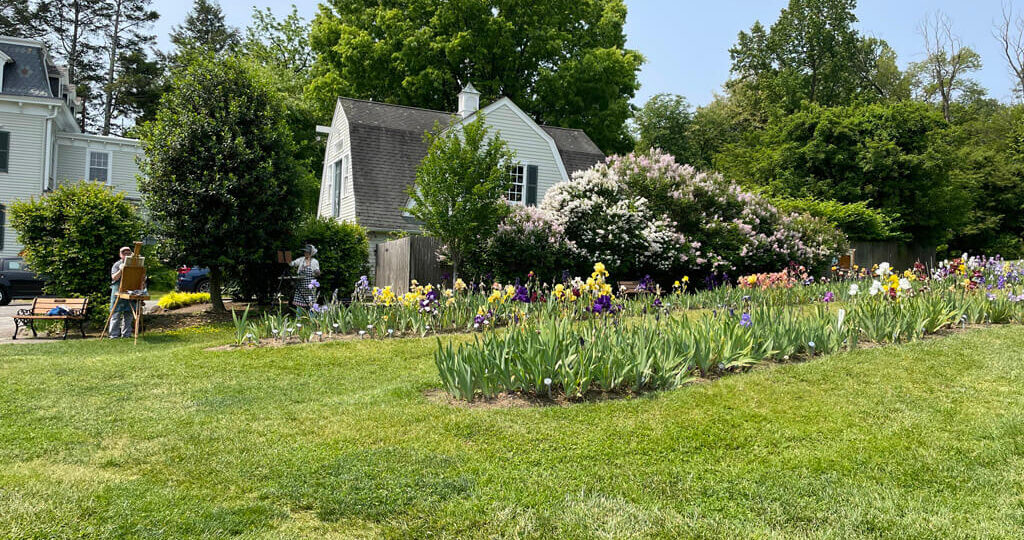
133 273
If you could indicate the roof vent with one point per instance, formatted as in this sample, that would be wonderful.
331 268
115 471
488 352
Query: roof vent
469 101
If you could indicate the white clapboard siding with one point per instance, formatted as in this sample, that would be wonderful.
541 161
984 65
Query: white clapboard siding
24 177
339 146
531 147
72 161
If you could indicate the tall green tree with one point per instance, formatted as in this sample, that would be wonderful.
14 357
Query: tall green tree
124 25
219 172
204 31
988 146
811 53
895 156
280 46
665 122
460 188
944 73
565 63
20 18
73 28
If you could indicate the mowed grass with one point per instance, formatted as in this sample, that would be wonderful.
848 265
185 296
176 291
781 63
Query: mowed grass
100 439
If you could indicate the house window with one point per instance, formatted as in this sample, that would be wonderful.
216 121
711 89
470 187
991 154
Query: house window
3 220
518 185
339 185
5 148
98 169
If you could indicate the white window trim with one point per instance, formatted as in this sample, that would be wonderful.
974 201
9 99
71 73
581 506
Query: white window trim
526 172
337 192
110 164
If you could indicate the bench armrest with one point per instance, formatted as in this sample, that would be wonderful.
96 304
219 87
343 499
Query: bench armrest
76 312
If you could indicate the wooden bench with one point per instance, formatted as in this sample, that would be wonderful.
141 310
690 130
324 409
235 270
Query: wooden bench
631 288
41 306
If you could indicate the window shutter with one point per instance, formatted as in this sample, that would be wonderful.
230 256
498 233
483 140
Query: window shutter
5 149
531 185
3 218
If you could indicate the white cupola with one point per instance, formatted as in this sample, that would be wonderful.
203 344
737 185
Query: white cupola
469 101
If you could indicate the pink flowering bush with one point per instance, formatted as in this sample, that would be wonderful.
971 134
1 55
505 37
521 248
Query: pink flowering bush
527 240
606 221
647 213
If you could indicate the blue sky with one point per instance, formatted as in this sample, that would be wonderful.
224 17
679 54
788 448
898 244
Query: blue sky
687 42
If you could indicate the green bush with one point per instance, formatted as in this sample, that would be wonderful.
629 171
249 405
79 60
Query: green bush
72 236
526 241
342 249
857 220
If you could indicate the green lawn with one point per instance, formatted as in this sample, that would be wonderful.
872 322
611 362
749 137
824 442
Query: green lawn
99 439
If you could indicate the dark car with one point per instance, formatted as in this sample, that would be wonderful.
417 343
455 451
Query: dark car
193 279
17 281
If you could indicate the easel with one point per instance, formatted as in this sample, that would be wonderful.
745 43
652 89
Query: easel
133 278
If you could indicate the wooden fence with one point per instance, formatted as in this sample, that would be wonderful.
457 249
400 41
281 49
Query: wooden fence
900 255
405 259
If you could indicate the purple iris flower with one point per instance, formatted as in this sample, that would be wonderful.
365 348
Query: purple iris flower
314 284
522 294
745 320
432 295
657 302
829 297
602 304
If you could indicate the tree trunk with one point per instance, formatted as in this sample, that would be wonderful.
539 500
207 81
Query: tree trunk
216 281
108 88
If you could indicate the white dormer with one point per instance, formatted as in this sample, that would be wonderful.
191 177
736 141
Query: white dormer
3 62
469 101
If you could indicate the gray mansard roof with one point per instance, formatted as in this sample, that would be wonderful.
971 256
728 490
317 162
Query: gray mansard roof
26 74
387 146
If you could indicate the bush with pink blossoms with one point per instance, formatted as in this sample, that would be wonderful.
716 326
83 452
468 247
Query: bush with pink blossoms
606 221
647 213
528 240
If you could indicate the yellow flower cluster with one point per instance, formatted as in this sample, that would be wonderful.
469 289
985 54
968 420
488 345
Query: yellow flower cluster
564 293
384 296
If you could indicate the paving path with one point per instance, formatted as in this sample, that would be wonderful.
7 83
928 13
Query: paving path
6 322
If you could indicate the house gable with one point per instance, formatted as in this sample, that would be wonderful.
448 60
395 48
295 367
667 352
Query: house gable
383 145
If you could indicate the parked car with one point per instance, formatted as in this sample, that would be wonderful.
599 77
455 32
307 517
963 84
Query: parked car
193 279
17 281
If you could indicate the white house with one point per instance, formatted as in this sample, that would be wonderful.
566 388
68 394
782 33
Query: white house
41 145
373 150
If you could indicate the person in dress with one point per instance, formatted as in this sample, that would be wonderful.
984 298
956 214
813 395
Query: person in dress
122 320
308 270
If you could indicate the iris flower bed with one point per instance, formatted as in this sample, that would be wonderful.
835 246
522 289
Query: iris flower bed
770 323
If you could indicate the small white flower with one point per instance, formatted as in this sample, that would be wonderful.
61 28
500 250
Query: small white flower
854 289
362 332
904 284
369 327
297 325
547 381
476 325
876 287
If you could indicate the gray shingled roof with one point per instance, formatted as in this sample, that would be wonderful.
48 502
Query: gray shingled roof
578 152
26 75
387 147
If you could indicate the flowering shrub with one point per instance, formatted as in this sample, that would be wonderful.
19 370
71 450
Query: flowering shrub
645 212
605 221
527 240
175 299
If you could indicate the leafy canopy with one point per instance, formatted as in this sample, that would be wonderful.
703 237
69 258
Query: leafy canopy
563 62
460 188
219 171
894 156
